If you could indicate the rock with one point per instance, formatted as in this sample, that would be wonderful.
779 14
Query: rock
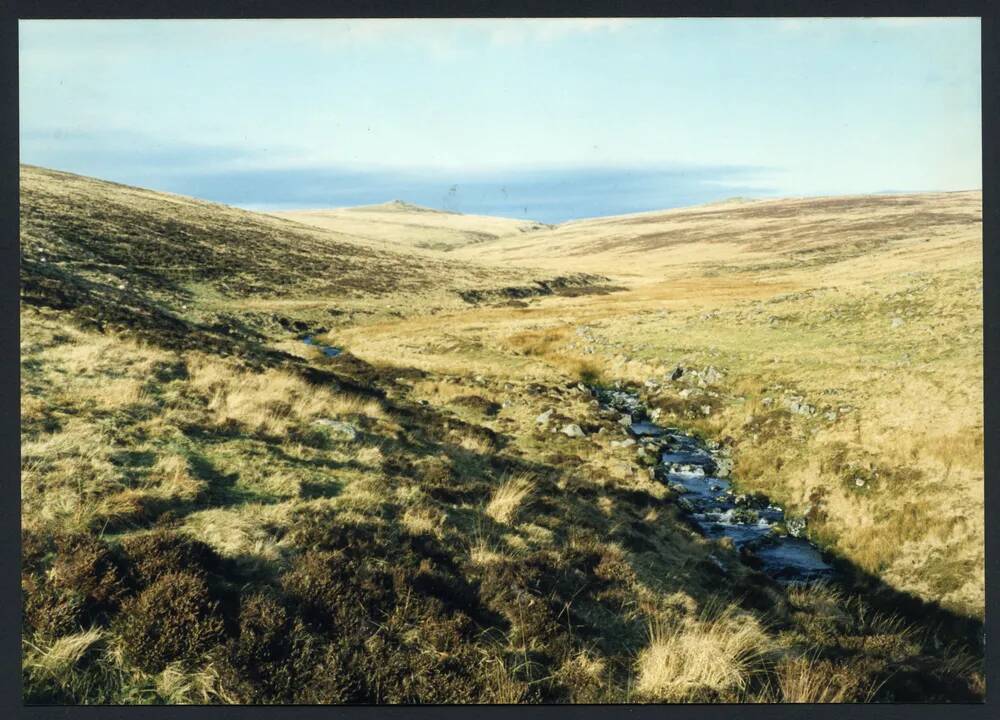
796 527
755 501
723 467
799 406
628 442
706 409
711 375
625 421
543 419
573 430
896 322
677 374
744 516
685 393
342 429
686 505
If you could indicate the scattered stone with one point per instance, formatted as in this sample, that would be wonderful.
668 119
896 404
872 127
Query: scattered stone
711 375
896 322
706 409
543 419
796 527
573 430
799 406
338 427
628 442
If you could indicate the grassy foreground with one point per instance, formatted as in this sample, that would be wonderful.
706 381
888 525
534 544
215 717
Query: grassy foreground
214 511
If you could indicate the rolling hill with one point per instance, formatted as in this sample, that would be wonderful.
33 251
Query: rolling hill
401 225
756 236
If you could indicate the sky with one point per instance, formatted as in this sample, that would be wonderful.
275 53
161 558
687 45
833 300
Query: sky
545 119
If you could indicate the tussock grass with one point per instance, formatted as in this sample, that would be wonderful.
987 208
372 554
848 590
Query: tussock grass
178 685
58 659
509 497
806 680
718 654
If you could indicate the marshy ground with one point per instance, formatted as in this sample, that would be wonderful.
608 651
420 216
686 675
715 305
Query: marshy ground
215 511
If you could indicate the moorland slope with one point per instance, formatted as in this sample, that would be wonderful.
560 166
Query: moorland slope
215 511
403 225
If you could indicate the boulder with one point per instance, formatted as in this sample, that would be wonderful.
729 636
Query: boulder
339 428
573 430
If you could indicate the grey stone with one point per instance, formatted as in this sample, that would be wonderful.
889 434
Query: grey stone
338 427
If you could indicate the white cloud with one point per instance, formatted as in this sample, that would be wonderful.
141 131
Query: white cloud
517 31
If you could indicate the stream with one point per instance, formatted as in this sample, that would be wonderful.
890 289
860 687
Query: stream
758 529
328 350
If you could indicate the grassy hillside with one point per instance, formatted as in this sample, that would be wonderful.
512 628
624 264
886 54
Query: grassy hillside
758 237
847 333
90 243
402 225
214 511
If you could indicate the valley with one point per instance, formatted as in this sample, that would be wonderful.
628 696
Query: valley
366 455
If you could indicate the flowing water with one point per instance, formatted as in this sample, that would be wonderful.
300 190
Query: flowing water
758 529
328 350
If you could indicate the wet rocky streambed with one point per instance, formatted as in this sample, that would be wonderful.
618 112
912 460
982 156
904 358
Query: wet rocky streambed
765 539
328 350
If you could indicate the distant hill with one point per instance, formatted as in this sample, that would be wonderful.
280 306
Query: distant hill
791 232
404 225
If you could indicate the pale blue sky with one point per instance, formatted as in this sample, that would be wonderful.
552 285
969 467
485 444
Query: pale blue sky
552 119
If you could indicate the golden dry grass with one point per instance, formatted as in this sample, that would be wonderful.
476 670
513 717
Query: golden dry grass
508 498
716 654
868 304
